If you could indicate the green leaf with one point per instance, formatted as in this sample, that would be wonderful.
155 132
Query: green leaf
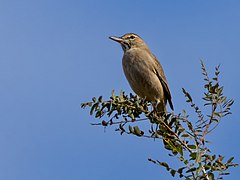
187 95
186 162
180 170
191 170
173 172
192 146
180 150
230 160
137 131
151 160
121 127
100 99
93 108
165 165
217 114
94 99
224 174
185 135
211 176
131 116
131 130
193 155
166 146
214 156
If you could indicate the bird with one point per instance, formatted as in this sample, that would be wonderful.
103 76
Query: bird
144 72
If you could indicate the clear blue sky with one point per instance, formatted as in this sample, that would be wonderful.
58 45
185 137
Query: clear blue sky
55 54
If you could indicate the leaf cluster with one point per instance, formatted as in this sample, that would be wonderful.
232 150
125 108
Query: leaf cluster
183 138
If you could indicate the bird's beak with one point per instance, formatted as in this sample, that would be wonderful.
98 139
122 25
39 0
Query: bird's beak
117 39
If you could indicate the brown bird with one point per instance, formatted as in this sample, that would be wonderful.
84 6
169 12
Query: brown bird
144 72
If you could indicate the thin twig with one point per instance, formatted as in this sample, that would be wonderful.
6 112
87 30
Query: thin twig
178 138
120 122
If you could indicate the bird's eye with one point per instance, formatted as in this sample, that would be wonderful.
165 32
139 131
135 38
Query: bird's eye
132 37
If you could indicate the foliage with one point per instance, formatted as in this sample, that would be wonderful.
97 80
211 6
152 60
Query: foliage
184 139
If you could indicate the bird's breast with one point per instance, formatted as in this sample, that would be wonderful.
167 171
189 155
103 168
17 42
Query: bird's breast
138 68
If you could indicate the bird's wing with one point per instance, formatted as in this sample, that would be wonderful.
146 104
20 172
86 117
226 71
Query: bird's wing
160 73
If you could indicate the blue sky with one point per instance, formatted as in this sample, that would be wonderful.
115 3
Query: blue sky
55 55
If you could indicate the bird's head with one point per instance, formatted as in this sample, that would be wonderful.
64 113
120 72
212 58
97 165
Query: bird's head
128 41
